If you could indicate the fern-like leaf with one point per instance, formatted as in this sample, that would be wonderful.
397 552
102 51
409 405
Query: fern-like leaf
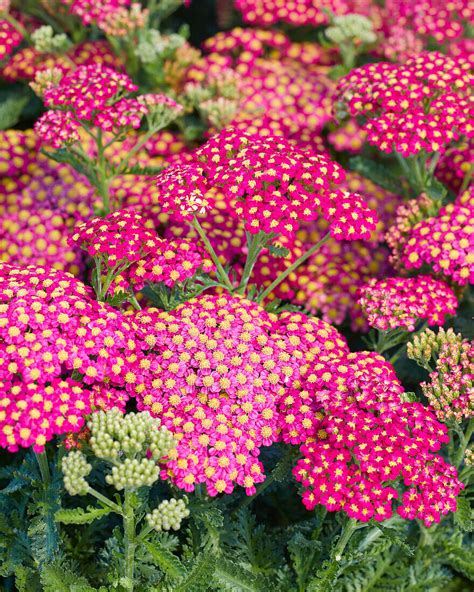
80 515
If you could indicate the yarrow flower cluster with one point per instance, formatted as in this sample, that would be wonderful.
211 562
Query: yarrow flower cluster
366 440
214 373
444 242
91 12
270 184
402 302
9 39
420 105
27 63
52 331
125 248
298 12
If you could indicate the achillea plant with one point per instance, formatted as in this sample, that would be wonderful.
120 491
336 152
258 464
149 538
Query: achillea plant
217 270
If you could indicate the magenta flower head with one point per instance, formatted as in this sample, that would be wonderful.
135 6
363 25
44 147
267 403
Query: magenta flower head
57 344
402 302
365 441
270 184
217 366
134 254
423 104
444 242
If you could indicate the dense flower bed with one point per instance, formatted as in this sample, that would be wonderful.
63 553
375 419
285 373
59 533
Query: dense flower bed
218 267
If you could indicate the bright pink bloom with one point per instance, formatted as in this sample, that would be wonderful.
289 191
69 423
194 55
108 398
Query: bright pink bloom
57 128
401 302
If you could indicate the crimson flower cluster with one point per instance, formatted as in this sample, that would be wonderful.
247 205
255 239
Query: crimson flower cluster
401 302
9 39
269 184
57 345
214 372
444 242
367 443
135 254
92 12
298 12
423 104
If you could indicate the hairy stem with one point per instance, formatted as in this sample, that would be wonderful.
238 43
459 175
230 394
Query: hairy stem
464 443
43 466
105 500
292 268
255 245
349 528
224 278
130 541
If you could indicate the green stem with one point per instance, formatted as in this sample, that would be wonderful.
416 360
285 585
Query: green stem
464 443
434 163
103 181
130 541
396 355
466 180
124 164
220 270
43 466
292 268
105 500
106 284
134 302
418 174
349 528
255 245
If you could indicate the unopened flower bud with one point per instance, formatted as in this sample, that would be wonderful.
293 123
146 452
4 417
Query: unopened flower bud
45 41
348 27
168 515
75 468
46 79
133 473
220 112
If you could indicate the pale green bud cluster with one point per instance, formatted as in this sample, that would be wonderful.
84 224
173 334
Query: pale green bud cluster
45 79
133 473
197 94
427 345
115 435
469 457
75 468
219 112
154 45
349 27
45 41
168 515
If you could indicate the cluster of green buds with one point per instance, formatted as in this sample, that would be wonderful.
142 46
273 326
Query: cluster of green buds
426 346
154 46
46 41
219 112
133 444
116 436
75 469
45 79
133 473
217 98
351 27
351 33
168 515
469 457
